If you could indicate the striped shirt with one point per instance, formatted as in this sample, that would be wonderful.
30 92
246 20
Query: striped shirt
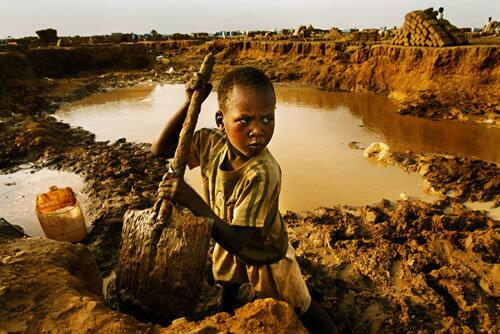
247 196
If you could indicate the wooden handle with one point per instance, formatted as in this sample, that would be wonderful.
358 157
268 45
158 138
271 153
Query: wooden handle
182 151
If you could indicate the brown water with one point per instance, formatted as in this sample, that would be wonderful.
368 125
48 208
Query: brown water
313 129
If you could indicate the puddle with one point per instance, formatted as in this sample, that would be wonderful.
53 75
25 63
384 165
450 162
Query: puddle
18 193
485 206
313 130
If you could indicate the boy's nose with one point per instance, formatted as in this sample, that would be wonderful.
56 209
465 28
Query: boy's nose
256 132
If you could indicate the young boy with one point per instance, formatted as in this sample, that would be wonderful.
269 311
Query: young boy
241 186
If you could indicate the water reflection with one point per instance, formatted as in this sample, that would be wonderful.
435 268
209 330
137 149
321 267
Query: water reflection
402 133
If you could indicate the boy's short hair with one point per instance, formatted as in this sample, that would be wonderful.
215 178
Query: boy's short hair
244 76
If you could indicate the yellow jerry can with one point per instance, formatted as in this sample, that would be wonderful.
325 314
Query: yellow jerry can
60 215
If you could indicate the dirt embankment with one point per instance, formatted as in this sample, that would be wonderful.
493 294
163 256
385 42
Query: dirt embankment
454 82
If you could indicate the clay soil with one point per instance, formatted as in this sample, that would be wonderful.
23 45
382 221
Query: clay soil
405 266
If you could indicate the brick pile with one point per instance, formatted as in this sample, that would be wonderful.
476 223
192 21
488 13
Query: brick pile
370 35
422 28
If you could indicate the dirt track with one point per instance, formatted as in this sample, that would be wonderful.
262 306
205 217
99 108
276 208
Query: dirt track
404 266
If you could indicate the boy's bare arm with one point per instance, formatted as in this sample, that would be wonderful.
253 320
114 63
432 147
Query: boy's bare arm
231 238
168 138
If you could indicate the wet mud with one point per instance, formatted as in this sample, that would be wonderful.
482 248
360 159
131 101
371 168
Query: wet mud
404 266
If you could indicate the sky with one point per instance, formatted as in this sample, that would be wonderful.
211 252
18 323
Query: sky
20 18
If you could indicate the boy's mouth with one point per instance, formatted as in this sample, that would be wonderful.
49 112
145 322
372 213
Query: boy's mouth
256 146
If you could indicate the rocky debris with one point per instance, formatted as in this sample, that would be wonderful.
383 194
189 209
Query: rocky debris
423 28
47 36
401 267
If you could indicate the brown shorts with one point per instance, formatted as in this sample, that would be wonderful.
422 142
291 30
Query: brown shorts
281 280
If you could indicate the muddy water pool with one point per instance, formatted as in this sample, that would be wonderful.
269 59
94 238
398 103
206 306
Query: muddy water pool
311 143
313 130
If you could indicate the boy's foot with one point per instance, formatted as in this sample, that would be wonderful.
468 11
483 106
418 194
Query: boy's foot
229 298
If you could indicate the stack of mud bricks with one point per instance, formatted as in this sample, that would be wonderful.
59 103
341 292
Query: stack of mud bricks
364 36
422 28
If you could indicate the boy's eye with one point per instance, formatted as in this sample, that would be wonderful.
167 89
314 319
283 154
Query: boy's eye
267 120
243 121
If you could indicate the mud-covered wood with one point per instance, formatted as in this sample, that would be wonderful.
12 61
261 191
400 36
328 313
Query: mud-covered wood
162 261
163 249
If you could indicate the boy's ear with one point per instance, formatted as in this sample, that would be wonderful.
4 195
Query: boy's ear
219 120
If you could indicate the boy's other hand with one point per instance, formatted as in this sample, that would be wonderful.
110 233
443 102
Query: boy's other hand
184 194
166 189
197 84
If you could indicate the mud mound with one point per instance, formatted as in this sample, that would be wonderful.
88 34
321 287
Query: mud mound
405 267
47 286
261 316
461 178
31 137
50 286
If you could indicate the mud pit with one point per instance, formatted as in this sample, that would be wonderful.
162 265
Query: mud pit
393 267
325 119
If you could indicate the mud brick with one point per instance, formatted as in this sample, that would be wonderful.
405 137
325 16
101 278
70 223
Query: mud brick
420 26
440 43
410 15
442 34
428 42
434 29
446 27
424 16
446 41
432 22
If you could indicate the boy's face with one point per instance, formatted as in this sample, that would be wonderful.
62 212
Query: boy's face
248 119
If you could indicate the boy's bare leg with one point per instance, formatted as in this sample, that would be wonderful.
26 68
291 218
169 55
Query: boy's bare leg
229 297
317 320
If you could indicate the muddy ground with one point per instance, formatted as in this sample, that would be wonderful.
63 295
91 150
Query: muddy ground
390 267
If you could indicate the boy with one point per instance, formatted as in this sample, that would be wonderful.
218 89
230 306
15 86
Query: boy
241 185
